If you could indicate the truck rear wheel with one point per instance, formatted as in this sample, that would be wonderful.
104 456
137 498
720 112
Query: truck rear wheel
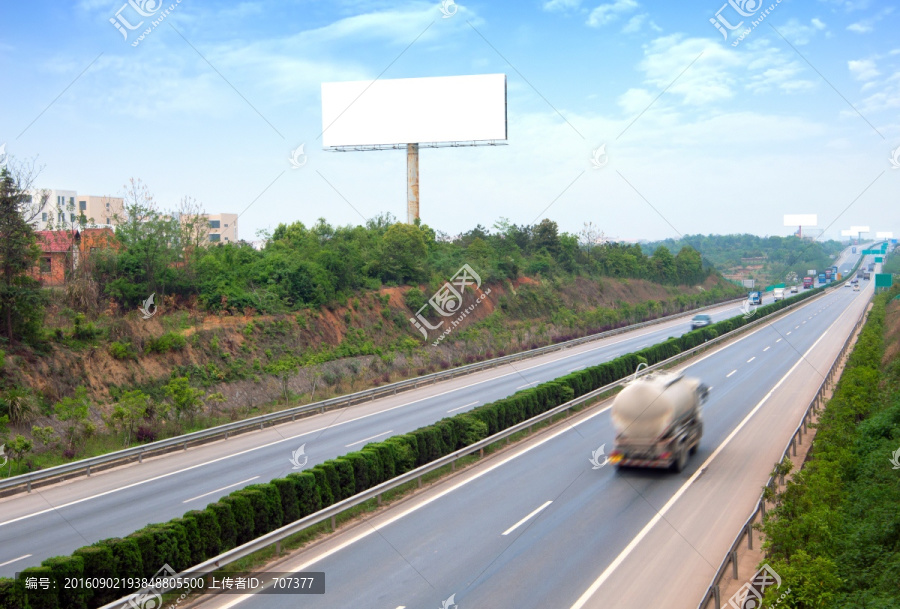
680 460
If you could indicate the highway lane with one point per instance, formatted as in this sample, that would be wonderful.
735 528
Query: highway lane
450 539
60 518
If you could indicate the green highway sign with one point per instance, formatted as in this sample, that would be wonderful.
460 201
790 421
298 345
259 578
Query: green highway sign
883 280
879 258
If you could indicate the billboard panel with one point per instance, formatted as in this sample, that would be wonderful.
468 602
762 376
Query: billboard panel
414 110
848 233
801 220
884 235
860 229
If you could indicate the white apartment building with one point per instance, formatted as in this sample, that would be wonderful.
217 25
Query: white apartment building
64 208
222 228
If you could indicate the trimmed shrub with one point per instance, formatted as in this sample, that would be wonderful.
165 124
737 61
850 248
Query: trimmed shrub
344 470
323 486
98 562
40 598
194 538
147 546
227 529
386 455
9 594
290 507
334 480
210 532
360 471
374 465
62 567
257 498
127 561
243 516
180 553
309 499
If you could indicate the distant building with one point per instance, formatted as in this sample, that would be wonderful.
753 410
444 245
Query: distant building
222 228
64 209
63 250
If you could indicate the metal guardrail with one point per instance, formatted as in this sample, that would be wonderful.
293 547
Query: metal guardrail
277 536
137 453
714 592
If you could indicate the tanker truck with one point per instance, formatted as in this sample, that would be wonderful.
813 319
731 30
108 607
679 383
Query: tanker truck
657 421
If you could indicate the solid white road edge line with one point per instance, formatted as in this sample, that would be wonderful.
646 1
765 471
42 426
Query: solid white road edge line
585 597
374 529
526 519
220 489
461 407
9 562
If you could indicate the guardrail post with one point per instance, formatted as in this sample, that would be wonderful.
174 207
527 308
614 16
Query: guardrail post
278 548
793 450
453 466
28 486
420 481
293 417
261 426
333 524
734 565
717 596
226 435
480 452
184 445
379 498
141 457
749 537
88 471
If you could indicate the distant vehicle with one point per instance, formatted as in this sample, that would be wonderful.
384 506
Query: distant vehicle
856 287
867 276
700 321
829 275
854 250
808 282
848 284
821 277
657 421
778 294
794 289
754 298
860 273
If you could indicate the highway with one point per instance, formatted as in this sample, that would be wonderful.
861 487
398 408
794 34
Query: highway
57 519
536 526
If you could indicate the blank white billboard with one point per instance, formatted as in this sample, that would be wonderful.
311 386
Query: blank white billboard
884 235
801 220
414 110
860 229
848 233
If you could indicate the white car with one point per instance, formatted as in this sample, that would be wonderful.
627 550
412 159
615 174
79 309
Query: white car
856 287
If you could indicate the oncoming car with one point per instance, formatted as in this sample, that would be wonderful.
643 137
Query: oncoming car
700 321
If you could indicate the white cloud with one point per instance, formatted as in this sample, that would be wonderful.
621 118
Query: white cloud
800 33
863 69
562 5
637 22
605 13
860 27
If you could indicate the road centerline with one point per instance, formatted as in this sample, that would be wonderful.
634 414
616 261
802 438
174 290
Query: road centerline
527 518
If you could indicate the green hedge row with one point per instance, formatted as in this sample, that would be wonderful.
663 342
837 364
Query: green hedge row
260 508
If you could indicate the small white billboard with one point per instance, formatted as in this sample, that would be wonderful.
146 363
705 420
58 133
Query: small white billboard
414 110
884 235
859 229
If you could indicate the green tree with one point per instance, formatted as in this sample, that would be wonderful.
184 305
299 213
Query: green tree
664 264
186 399
130 410
21 302
403 253
74 411
17 448
546 236
44 435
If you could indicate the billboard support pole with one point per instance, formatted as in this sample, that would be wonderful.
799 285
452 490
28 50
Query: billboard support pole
412 183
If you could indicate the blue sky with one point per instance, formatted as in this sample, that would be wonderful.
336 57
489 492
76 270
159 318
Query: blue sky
702 134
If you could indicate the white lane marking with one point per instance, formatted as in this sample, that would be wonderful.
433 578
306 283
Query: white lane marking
730 373
220 489
378 435
585 597
461 407
662 326
751 359
796 327
487 470
526 385
778 341
526 519
804 321
578 368
9 562
788 334
766 349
